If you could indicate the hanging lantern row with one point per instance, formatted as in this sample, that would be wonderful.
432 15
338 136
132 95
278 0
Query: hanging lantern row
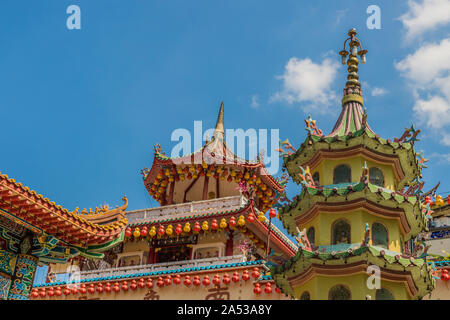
166 176
188 227
267 288
439 202
256 241
149 283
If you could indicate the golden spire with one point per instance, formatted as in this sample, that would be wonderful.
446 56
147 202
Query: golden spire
352 91
219 132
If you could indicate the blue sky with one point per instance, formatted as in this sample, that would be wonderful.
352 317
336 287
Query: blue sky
82 109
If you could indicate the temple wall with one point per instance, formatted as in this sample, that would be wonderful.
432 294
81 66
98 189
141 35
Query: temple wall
357 220
356 164
319 287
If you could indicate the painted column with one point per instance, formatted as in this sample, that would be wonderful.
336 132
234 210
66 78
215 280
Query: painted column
22 280
7 262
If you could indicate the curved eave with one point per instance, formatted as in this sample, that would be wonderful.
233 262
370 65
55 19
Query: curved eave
196 158
414 273
39 214
400 156
406 210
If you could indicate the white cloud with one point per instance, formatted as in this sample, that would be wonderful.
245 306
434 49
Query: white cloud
428 71
254 103
424 16
377 91
434 112
428 62
307 82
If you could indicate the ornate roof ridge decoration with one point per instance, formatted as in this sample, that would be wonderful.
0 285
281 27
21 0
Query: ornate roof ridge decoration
394 267
400 155
27 205
409 210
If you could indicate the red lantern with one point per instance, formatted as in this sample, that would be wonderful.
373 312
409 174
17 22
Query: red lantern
107 288
178 229
168 281
444 275
116 288
226 279
245 275
268 288
177 279
50 292
257 289
214 225
125 286
66 291
187 281
128 232
251 217
255 273
42 293
82 289
160 282
100 288
206 281
133 285
161 231
34 294
144 231
232 222
216 280
278 290
149 283
272 213
197 281
197 227
235 277
141 283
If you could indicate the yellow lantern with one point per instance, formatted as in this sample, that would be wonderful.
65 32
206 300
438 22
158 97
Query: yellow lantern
152 232
204 165
167 172
187 227
241 222
192 168
179 170
223 223
261 217
439 201
137 233
219 169
246 176
233 173
205 226
182 177
169 230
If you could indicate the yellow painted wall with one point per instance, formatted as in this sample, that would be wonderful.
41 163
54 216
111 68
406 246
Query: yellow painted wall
326 168
323 222
320 286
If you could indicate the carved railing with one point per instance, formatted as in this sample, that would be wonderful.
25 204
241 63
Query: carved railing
164 266
184 209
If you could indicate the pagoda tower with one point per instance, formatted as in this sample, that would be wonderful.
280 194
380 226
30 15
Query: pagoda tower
355 220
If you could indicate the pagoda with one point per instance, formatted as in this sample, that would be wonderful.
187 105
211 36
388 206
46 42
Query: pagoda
360 208
209 238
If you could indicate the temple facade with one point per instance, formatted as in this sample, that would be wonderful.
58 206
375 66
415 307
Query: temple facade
209 239
360 209
35 231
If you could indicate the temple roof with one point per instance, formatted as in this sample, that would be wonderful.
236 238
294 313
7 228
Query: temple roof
407 209
214 154
394 267
78 232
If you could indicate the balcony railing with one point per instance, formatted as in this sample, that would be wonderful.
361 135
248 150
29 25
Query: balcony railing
185 209
164 266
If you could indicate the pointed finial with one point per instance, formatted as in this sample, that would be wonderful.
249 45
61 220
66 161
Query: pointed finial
219 132
352 91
